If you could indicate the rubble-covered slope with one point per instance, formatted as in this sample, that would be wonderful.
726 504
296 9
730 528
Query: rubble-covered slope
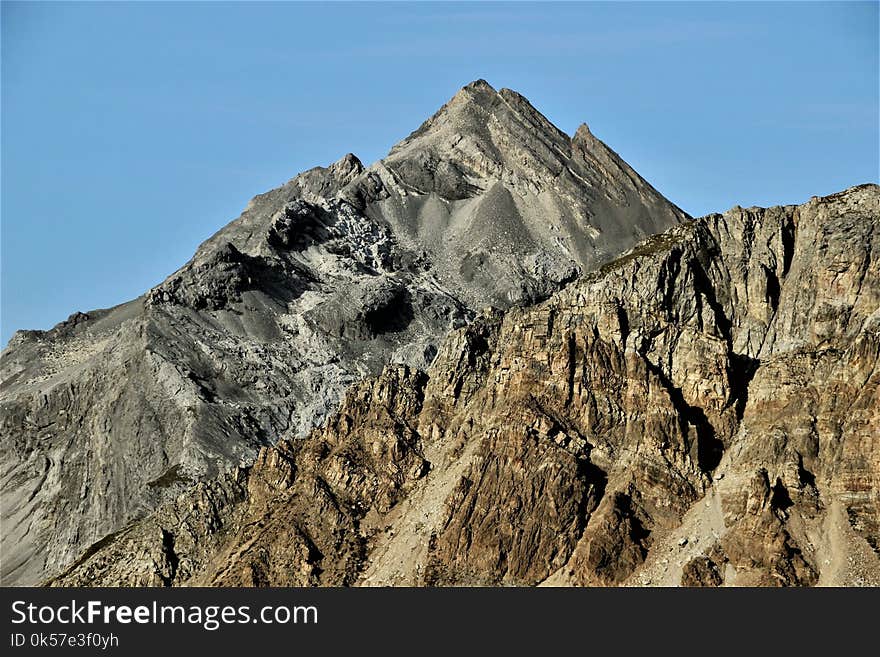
704 410
318 284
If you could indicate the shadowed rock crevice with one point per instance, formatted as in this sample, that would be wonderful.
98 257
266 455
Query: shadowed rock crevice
300 224
741 370
168 569
780 500
772 284
392 314
789 233
707 449
706 290
219 281
806 477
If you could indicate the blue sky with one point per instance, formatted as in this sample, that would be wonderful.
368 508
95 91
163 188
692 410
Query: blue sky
132 132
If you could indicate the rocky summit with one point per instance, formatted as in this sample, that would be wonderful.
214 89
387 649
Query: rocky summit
496 357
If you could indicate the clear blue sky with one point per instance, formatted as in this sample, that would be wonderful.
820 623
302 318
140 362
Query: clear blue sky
131 132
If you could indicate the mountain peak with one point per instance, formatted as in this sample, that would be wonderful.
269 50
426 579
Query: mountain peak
477 93
582 133
523 186
347 167
479 112
324 279
480 84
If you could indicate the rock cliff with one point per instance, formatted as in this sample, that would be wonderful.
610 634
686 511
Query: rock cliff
703 410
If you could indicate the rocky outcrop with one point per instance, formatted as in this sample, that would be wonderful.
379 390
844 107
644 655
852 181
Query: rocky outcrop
700 411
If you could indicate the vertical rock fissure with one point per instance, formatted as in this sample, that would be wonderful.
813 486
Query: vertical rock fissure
741 368
707 450
171 558
788 237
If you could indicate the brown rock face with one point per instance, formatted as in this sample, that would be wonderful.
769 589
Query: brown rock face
701 571
704 410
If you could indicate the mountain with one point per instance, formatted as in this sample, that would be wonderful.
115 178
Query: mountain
702 410
317 286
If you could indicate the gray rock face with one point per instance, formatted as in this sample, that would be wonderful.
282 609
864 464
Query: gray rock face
318 284
506 204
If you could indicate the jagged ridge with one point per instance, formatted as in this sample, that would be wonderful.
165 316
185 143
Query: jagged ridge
318 284
704 410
